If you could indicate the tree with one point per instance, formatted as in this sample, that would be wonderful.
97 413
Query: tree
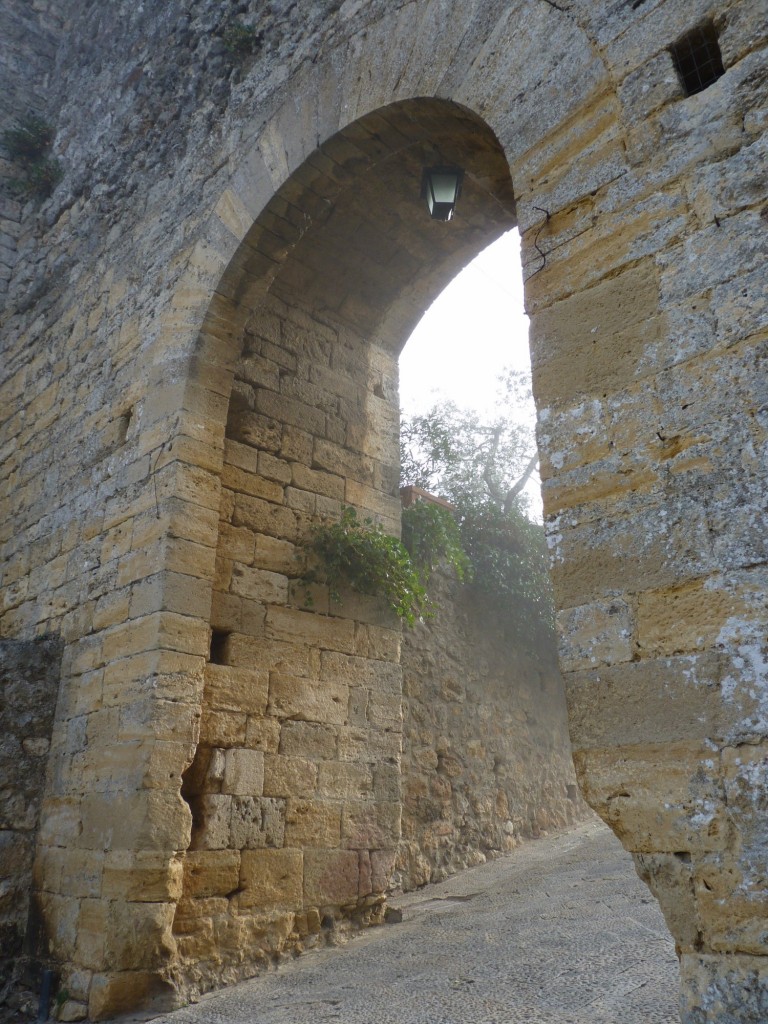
481 466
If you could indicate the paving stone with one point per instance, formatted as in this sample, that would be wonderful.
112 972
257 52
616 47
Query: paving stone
561 931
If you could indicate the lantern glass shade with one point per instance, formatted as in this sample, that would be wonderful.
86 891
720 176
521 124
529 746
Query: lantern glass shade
441 187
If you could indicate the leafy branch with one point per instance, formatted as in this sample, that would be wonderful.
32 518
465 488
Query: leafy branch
361 555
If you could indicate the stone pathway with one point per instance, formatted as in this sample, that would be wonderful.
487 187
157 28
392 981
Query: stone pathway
559 932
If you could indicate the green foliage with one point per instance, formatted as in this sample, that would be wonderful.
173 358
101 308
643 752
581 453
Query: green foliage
27 144
463 457
29 138
508 556
242 39
477 465
431 535
361 555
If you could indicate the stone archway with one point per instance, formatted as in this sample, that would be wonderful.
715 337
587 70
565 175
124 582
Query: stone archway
295 785
653 496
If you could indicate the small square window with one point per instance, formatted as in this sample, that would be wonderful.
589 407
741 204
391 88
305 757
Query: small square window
219 652
697 58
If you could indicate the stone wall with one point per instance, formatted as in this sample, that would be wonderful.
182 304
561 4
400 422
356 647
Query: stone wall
29 685
486 755
30 36
197 184
294 788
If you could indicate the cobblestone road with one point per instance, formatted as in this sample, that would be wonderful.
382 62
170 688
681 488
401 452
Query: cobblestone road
560 932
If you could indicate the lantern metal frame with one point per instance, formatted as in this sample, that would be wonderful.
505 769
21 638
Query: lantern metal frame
441 197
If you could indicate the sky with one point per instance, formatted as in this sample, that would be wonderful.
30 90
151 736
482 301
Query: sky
468 336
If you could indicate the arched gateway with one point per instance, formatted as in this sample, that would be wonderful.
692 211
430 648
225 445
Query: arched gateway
223 351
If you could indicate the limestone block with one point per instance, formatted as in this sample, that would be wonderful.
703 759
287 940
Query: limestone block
732 904
223 728
359 671
243 482
296 445
670 878
271 879
367 746
91 933
121 992
259 584
649 701
262 734
289 776
382 867
61 916
371 825
211 872
331 877
237 542
716 988
312 823
275 554
338 459
264 517
595 634
570 339
274 469
687 616
212 815
309 739
385 710
341 780
317 482
257 822
72 1010
282 656
148 819
60 821
363 608
236 689
309 700
243 772
326 632
256 430
377 642
152 876
386 782
138 935
658 797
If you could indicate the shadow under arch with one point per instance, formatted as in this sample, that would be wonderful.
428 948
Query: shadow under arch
347 233
294 785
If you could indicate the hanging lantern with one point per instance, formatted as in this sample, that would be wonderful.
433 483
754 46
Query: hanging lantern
441 187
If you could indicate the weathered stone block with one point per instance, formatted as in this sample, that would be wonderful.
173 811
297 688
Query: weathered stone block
309 700
658 797
211 873
331 877
257 822
717 987
234 689
243 772
153 876
369 825
340 780
271 879
309 739
289 776
312 823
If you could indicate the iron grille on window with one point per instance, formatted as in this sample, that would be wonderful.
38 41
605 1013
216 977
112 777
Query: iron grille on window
697 59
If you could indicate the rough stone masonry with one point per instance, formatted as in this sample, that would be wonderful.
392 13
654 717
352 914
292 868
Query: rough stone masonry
199 345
